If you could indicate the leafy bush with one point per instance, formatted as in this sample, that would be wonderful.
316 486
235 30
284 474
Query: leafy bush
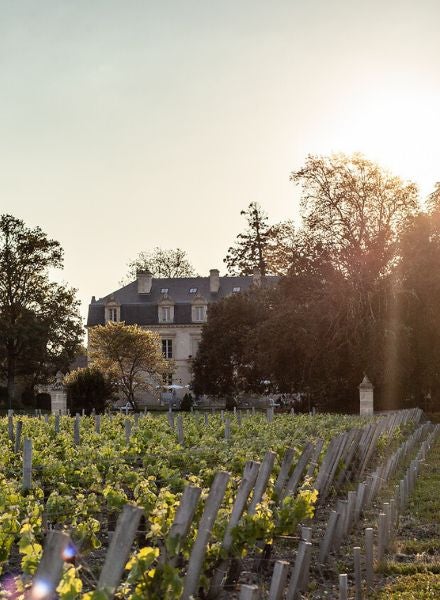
87 388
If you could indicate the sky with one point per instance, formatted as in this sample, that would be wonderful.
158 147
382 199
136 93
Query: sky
130 124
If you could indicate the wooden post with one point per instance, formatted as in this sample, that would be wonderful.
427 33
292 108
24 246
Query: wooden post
279 578
180 436
27 464
57 424
303 555
170 417
184 516
18 431
98 424
198 551
76 434
127 431
262 479
206 419
248 592
314 458
119 549
11 434
298 472
327 541
247 483
343 586
284 471
360 495
50 569
381 542
306 534
227 428
369 557
357 572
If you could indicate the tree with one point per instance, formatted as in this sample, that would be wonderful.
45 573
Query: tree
269 248
251 246
40 325
87 388
161 263
129 356
356 210
224 363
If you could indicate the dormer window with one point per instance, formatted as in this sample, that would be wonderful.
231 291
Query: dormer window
112 312
193 290
165 309
198 309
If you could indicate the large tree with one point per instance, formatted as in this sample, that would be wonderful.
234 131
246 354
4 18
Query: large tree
269 248
161 263
224 364
355 209
129 356
40 325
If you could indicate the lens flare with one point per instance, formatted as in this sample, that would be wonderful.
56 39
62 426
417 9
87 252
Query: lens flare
69 552
40 590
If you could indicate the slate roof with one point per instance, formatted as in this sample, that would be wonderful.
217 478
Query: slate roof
141 309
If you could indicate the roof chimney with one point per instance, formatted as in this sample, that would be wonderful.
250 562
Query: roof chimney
256 277
144 281
214 281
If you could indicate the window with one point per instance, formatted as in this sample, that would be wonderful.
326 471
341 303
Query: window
199 313
235 290
165 314
164 291
167 348
112 313
192 290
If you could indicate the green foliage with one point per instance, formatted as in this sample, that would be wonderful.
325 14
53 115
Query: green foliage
421 586
87 388
40 325
80 487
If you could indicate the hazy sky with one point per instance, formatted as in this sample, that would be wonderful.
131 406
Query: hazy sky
127 124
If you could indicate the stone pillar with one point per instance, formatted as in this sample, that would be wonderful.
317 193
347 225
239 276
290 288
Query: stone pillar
366 397
57 393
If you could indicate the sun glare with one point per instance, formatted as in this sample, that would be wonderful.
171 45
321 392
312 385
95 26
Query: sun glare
398 129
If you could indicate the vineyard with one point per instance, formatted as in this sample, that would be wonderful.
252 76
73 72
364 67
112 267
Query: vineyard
158 506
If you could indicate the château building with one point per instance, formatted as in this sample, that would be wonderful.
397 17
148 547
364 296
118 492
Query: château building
175 308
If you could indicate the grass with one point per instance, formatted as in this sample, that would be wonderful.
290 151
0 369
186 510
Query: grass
418 575
424 586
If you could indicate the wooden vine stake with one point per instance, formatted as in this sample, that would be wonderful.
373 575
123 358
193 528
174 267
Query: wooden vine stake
183 519
18 431
248 592
27 464
279 578
207 520
50 569
180 436
119 549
